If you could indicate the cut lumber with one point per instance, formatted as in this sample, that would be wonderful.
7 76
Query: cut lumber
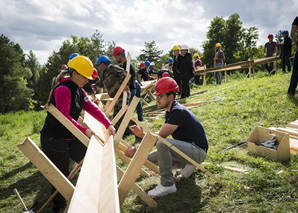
294 144
119 115
47 168
233 169
119 92
96 189
290 132
139 191
135 166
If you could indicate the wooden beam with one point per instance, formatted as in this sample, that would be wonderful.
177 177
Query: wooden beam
70 126
47 168
181 153
119 115
139 191
96 188
126 119
135 165
96 127
119 92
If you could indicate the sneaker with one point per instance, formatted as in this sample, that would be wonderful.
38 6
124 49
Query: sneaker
161 190
186 171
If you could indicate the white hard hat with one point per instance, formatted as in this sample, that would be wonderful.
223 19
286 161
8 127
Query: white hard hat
184 47
152 64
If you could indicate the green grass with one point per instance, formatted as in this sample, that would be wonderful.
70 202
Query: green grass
268 186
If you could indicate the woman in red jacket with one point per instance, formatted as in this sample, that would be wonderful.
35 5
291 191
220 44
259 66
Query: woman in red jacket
70 99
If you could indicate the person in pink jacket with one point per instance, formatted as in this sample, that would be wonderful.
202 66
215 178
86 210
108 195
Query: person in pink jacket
57 142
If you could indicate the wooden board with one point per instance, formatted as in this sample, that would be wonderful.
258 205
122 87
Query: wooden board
96 189
119 92
126 119
119 115
47 168
135 165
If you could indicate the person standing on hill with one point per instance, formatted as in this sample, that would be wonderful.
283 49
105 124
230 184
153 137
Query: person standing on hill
169 66
270 49
176 65
286 51
219 61
197 63
188 136
186 71
294 77
57 142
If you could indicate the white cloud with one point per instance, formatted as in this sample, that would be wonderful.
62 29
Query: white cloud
43 25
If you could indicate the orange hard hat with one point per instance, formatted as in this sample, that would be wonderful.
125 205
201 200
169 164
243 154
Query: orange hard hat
118 50
165 85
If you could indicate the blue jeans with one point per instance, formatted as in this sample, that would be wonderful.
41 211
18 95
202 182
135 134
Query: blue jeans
218 74
166 158
294 77
137 92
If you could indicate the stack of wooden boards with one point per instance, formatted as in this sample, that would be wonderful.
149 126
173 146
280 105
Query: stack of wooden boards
292 130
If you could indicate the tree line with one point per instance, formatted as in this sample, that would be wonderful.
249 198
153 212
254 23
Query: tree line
25 85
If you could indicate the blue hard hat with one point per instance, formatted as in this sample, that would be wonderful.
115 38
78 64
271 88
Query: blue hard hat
73 55
102 58
147 63
170 60
285 32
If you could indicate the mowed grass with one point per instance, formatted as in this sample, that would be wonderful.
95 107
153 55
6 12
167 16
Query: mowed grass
231 113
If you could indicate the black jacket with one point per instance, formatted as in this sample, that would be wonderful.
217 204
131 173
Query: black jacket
177 64
287 47
186 67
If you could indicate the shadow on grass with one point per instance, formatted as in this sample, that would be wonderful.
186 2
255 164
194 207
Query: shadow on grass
186 199
15 171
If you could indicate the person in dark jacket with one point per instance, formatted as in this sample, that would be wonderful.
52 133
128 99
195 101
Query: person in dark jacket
186 69
286 50
294 77
176 65
57 142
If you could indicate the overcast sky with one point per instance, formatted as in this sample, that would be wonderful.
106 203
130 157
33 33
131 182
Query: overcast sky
42 25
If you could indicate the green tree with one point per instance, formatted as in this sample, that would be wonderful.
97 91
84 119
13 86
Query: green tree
14 93
150 53
33 68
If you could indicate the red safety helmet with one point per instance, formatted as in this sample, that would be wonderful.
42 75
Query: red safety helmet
94 74
270 36
142 64
165 74
165 85
118 50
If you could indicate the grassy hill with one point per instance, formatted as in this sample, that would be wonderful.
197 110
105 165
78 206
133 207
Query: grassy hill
234 110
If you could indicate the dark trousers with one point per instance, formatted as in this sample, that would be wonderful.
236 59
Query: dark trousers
59 151
269 67
185 90
294 77
178 81
285 61
138 94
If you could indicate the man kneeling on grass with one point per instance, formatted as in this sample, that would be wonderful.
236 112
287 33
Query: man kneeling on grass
187 131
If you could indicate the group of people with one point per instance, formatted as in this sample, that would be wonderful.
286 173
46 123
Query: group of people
69 97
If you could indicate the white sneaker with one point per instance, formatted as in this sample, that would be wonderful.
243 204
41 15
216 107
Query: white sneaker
161 190
186 171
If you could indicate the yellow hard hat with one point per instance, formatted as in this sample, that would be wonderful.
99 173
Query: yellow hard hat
196 55
176 47
83 65
218 45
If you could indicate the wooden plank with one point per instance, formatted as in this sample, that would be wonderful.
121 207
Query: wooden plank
47 168
294 144
123 147
119 92
139 191
135 165
128 160
150 95
119 115
181 153
291 132
96 127
128 71
96 189
233 169
126 120
70 126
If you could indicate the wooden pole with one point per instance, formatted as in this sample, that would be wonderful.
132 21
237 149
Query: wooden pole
249 72
204 75
226 72
20 199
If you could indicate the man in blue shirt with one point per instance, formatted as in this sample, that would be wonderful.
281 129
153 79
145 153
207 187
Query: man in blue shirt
187 131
